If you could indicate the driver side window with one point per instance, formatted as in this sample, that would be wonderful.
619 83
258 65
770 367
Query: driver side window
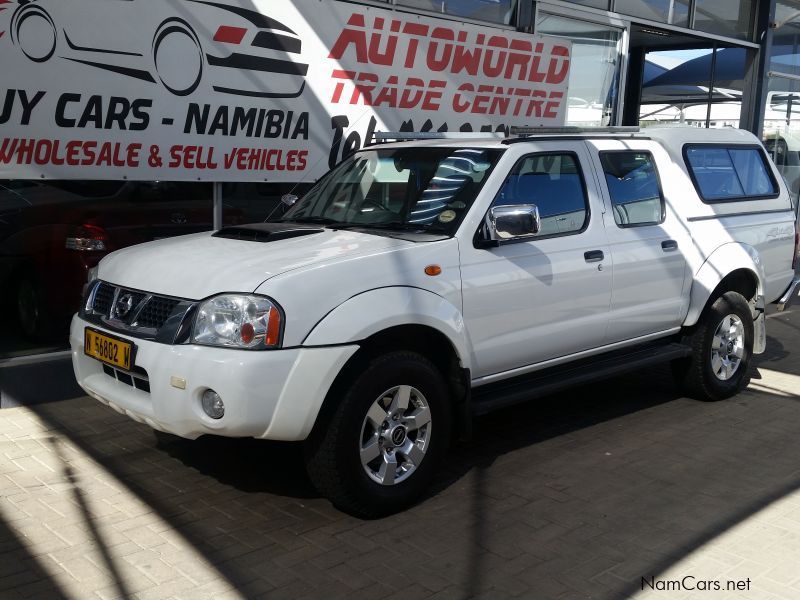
553 182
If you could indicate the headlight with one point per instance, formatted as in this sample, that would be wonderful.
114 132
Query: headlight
238 321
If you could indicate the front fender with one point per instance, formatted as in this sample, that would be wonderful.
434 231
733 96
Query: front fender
722 262
376 310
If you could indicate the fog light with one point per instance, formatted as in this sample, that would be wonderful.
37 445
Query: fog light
213 404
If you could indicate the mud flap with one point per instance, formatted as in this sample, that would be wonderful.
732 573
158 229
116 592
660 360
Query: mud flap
759 327
465 414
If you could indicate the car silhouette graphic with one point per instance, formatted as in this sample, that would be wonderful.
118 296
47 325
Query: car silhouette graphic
178 44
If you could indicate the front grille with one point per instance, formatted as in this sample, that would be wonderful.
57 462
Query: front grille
136 299
156 312
137 379
131 311
103 297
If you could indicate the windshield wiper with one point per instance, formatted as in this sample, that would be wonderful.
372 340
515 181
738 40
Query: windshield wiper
315 220
391 225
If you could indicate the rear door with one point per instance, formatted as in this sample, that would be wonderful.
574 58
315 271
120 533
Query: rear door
545 297
646 238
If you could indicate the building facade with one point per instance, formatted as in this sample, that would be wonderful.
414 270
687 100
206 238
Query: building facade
284 115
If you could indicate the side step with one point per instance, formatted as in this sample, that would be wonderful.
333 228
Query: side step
493 396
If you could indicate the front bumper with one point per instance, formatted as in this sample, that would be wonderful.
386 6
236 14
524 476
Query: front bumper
271 394
790 296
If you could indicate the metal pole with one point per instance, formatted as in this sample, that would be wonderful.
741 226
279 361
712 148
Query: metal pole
711 85
217 223
756 82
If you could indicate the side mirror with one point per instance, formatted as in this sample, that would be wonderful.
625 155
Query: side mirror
511 222
289 199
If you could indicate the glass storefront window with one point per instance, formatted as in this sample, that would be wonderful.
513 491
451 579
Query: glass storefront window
675 88
731 18
785 55
675 12
254 202
782 128
594 69
53 232
495 11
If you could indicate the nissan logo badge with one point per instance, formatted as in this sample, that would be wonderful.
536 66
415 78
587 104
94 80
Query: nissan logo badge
123 306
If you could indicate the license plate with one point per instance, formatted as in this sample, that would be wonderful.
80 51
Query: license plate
107 349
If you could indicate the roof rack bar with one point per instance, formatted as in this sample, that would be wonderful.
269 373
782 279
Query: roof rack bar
569 129
436 135
383 136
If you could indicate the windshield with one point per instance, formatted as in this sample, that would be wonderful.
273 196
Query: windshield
429 189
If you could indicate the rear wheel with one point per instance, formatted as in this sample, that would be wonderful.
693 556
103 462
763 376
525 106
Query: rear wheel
722 346
386 439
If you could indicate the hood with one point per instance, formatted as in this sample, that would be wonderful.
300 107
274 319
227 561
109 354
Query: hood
200 265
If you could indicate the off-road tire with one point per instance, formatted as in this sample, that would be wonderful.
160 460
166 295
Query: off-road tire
695 375
332 454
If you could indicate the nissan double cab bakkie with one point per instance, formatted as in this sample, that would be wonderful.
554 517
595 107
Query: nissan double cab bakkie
420 283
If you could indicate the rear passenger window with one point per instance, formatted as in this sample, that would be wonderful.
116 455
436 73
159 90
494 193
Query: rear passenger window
730 173
634 188
554 184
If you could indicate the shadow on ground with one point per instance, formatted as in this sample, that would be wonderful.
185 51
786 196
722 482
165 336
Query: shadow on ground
576 495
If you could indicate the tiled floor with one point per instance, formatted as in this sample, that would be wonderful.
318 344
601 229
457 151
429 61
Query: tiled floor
596 493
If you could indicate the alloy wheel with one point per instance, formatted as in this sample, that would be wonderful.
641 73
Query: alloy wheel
395 435
727 347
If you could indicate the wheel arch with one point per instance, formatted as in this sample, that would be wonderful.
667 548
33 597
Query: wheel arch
397 318
732 267
380 310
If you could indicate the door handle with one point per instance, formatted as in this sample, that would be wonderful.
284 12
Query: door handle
669 245
593 256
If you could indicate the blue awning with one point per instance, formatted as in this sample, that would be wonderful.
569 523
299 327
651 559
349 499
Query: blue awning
728 70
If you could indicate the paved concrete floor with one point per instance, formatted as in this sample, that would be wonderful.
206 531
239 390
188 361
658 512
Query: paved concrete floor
601 492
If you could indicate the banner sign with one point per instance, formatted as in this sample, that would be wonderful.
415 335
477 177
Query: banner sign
258 90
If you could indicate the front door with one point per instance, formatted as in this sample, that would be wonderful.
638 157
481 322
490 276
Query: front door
530 301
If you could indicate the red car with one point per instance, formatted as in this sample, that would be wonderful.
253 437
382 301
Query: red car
52 233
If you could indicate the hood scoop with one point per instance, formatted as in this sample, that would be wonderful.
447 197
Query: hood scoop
266 232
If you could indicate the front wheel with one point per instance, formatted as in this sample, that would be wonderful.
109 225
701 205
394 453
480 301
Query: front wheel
386 439
722 346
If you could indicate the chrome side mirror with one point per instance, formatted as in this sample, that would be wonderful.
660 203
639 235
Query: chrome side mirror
511 222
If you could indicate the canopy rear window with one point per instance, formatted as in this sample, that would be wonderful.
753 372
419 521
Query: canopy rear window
723 173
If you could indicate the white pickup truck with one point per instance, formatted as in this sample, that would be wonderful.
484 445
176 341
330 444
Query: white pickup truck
421 283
